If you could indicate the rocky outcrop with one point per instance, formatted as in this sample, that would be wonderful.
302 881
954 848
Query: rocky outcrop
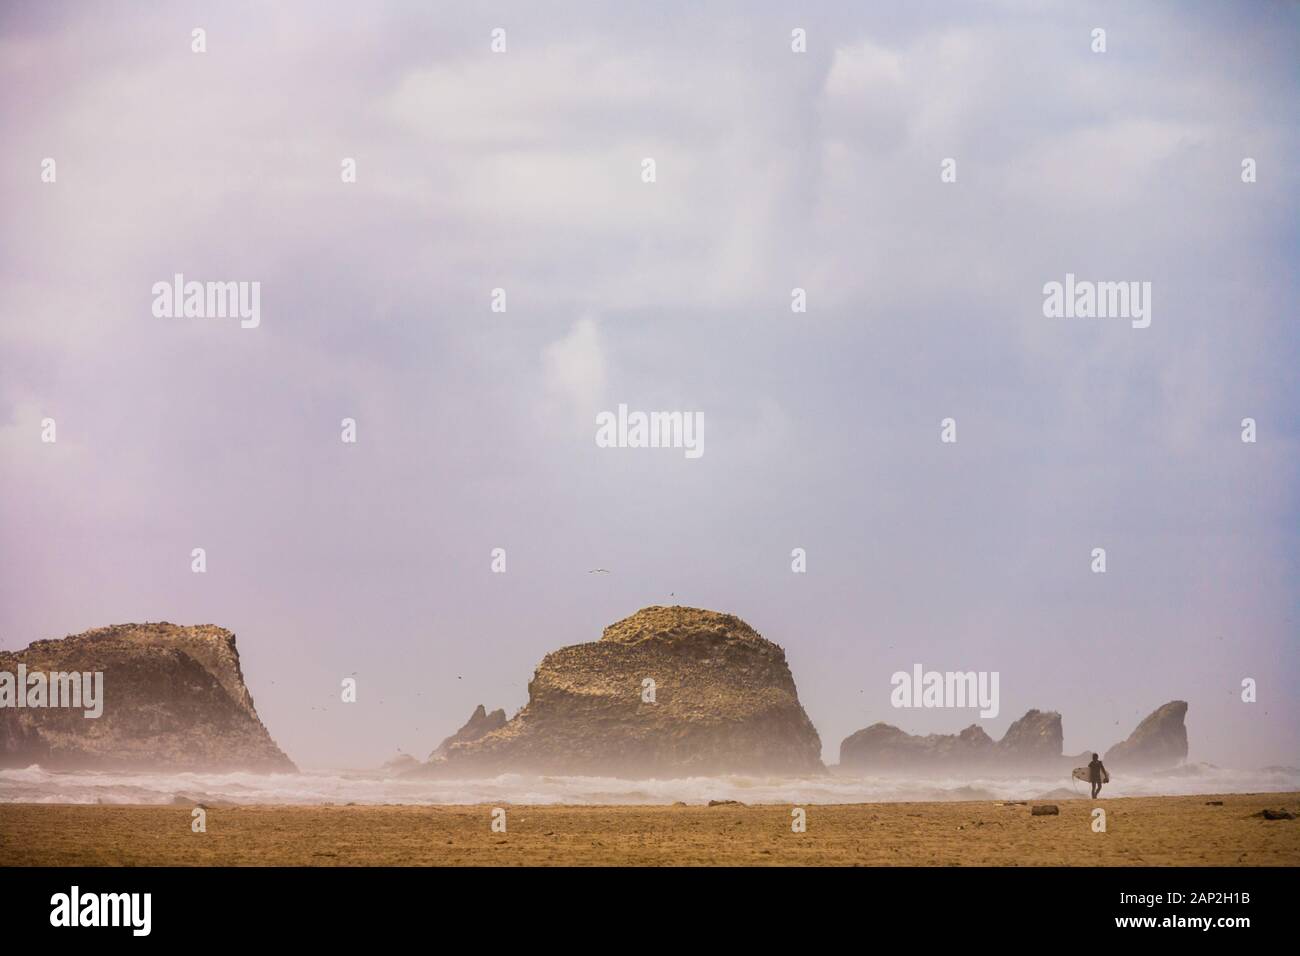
173 698
1029 740
1034 739
885 747
669 691
480 724
1159 742
1032 743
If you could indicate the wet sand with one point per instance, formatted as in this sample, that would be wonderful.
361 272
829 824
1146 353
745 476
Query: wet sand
1140 831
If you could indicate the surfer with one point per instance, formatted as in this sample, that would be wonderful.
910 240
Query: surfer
1096 773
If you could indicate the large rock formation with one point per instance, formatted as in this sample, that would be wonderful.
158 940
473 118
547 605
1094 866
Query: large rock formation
1160 741
173 699
1032 743
669 691
1034 739
885 747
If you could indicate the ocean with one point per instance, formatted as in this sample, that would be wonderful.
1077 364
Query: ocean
36 785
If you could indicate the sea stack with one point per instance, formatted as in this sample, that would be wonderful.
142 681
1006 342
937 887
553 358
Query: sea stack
1032 741
669 691
172 698
1159 742
1031 744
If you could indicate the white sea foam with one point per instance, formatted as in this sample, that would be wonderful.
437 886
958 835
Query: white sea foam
36 785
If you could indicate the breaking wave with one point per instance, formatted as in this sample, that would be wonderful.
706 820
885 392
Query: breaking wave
36 785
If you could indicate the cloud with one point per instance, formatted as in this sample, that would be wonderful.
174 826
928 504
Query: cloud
574 368
775 170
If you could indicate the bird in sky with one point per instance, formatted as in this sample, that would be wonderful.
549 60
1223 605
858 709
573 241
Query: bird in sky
598 571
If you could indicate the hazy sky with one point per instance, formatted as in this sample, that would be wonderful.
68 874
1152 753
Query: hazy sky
522 171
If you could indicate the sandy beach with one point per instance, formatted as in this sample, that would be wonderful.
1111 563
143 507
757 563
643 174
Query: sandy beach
1204 830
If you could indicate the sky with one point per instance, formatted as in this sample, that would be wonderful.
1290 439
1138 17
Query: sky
774 170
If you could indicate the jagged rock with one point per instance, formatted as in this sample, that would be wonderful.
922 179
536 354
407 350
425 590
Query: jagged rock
480 723
1031 743
173 698
1034 738
1160 741
723 701
885 747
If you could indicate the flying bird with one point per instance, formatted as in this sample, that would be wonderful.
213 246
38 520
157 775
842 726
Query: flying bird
598 571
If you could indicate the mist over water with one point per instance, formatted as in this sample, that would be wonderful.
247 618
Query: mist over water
36 785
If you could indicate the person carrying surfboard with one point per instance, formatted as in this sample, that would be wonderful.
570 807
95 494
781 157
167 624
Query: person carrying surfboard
1096 774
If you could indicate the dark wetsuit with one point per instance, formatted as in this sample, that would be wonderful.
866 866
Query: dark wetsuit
1095 771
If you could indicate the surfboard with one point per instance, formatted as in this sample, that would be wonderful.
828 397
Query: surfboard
1081 773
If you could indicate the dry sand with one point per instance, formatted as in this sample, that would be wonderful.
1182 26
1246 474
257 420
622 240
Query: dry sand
1153 831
